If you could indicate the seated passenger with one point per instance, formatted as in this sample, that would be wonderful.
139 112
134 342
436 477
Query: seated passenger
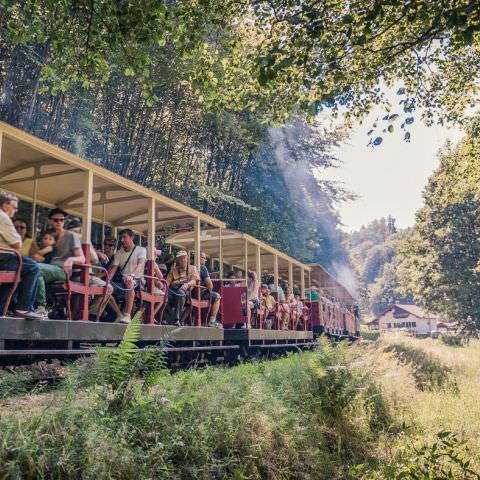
98 304
253 301
230 282
300 306
68 252
126 272
30 274
270 303
106 255
45 251
292 306
28 245
206 281
180 280
283 307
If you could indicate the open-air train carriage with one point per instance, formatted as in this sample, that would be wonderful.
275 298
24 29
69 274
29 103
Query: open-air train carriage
237 249
334 311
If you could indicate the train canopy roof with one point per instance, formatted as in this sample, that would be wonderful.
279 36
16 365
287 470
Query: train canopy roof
325 281
233 249
47 175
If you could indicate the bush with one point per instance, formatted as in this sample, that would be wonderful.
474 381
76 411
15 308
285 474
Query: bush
429 372
370 335
446 458
453 340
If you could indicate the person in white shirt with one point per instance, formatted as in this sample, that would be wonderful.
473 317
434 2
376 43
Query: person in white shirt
127 269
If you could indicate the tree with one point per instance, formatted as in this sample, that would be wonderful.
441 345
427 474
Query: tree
270 55
440 265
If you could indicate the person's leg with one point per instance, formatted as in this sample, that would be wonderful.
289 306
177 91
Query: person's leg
48 274
129 295
27 288
215 306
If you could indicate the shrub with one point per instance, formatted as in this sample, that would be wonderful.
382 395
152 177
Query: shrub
370 335
429 372
447 458
453 340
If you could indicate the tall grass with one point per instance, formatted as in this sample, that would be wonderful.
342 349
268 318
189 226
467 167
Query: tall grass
310 415
340 412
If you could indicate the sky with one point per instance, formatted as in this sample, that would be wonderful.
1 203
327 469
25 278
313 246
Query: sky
389 179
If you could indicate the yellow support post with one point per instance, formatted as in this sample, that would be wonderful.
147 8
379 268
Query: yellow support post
197 232
87 207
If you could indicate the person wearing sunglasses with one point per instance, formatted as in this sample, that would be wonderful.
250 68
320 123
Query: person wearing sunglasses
28 245
68 252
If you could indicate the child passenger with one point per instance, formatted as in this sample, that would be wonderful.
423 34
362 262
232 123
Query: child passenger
46 246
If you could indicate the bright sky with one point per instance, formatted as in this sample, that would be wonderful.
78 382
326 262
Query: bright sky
389 179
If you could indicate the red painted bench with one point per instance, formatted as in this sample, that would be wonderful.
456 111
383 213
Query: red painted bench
11 277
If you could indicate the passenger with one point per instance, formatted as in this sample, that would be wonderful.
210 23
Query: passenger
68 252
163 269
283 307
98 304
230 282
292 307
126 272
30 273
240 279
299 309
253 301
180 280
45 251
106 256
206 281
28 245
269 305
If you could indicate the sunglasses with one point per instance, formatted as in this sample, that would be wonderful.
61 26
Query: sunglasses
57 220
18 227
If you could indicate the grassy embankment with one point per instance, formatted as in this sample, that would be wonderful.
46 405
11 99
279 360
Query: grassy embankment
344 412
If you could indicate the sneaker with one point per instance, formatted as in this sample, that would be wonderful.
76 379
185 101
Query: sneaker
28 315
42 311
215 324
118 319
126 318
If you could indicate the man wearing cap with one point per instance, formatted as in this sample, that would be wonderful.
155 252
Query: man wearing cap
180 280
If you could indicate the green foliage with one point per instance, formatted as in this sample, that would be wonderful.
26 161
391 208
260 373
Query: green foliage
440 261
428 371
276 419
370 335
273 56
374 252
447 458
453 340
120 374
12 384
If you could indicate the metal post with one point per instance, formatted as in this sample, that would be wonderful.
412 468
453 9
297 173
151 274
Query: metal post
87 207
246 260
275 271
104 211
258 263
310 285
197 231
33 226
302 282
220 255
290 275
151 229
